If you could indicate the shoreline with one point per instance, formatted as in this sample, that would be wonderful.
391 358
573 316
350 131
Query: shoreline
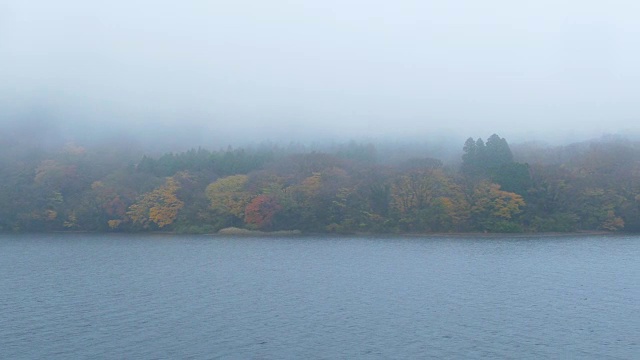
238 232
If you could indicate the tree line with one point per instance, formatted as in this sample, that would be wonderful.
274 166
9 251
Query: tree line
593 186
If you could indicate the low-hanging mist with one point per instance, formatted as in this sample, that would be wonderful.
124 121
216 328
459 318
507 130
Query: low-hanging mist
236 72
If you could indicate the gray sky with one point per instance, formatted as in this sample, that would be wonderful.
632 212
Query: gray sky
289 70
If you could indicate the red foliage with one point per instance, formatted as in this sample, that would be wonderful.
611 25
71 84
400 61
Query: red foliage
261 210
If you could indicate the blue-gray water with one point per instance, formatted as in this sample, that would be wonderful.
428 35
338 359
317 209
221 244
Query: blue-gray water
198 297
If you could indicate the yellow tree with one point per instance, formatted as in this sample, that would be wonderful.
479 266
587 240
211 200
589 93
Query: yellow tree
228 195
159 206
493 209
428 200
612 222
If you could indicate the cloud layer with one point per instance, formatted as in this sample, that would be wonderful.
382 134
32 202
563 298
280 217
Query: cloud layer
301 69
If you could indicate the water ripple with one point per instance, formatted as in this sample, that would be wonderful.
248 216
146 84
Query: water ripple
163 297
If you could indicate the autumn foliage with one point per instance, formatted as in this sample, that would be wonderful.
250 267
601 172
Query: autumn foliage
260 211
594 186
159 206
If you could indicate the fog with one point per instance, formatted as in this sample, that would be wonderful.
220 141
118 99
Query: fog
231 72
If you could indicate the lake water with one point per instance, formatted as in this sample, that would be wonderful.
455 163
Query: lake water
200 297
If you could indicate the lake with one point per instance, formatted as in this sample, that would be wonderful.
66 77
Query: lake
79 296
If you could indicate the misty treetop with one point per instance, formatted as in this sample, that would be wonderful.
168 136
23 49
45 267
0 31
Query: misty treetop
592 186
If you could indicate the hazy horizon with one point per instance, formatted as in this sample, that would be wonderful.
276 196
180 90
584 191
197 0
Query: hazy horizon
231 73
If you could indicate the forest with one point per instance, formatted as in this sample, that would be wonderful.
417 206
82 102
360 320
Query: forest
348 188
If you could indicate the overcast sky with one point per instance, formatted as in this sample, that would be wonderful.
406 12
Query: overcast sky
296 69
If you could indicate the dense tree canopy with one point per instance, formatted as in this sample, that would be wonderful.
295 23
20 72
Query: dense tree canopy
583 187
